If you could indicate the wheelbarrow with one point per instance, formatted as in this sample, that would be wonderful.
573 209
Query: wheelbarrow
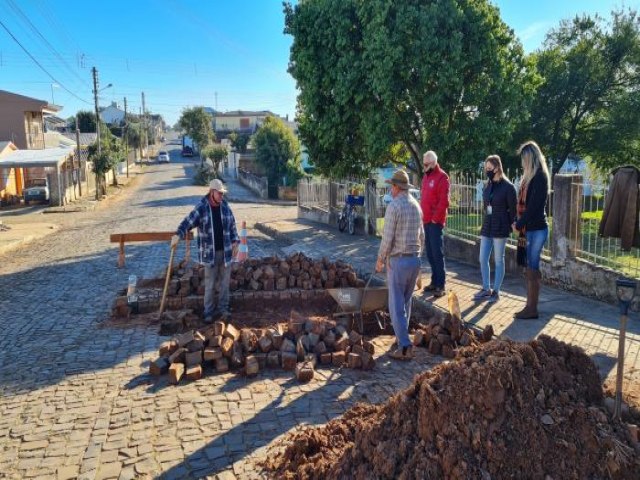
358 301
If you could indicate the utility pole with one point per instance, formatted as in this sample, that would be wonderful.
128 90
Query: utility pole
95 101
146 132
126 138
79 180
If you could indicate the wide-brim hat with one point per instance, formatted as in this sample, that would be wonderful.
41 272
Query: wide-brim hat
217 184
400 179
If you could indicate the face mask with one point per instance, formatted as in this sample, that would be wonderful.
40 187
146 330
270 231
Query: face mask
490 175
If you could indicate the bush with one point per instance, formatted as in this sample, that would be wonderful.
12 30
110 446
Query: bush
204 175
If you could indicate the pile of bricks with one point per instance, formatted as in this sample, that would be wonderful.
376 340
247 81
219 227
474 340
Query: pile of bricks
271 274
297 346
442 336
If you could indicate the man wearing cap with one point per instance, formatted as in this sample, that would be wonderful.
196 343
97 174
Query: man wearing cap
434 200
217 245
400 252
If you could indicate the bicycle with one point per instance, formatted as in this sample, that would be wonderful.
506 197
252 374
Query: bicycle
349 213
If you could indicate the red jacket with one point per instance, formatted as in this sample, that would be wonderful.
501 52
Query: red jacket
434 196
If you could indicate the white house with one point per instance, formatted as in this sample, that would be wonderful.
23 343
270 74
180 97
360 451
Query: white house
592 182
112 115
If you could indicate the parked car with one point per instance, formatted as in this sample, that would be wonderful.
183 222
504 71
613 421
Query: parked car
187 151
37 189
163 157
414 192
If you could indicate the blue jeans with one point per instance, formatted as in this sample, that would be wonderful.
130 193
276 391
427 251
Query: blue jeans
402 273
434 245
535 242
216 280
498 246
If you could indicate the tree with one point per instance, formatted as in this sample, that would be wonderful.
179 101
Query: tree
197 124
216 154
133 135
239 142
112 153
86 121
278 151
588 103
385 80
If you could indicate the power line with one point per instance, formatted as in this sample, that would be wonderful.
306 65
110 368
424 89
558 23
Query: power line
41 67
34 29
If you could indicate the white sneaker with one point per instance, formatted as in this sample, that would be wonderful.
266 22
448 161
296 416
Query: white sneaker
482 294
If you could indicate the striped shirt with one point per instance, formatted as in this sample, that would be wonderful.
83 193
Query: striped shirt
403 230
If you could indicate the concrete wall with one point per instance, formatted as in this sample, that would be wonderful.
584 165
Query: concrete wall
575 275
314 214
287 193
258 185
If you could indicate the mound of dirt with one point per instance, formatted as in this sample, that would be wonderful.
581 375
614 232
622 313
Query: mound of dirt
500 410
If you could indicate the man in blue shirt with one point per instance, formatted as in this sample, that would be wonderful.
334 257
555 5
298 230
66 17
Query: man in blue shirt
217 245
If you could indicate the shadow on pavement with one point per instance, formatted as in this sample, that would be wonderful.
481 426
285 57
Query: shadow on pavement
56 312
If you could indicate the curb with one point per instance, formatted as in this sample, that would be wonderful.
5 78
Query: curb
273 233
262 201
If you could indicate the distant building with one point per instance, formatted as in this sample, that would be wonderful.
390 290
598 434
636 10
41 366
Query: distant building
593 183
112 115
22 120
238 121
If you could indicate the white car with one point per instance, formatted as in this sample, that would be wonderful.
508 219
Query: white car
37 189
163 157
414 192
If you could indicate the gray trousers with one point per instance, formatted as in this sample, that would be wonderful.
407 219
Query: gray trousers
216 284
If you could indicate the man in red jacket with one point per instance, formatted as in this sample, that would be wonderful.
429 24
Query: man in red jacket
434 200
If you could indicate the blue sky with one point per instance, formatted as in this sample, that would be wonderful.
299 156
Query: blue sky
222 54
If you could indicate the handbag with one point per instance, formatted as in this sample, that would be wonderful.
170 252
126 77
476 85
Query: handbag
521 250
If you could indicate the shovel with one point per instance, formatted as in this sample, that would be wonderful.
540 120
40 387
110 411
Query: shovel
166 282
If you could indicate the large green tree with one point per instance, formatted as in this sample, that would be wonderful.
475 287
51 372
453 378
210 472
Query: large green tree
589 103
197 124
278 151
385 80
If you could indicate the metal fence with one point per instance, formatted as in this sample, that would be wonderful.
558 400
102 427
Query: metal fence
313 194
325 195
590 245
466 211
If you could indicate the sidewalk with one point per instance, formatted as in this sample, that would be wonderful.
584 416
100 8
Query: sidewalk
19 226
575 319
238 193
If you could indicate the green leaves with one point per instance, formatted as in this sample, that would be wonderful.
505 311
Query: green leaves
277 150
588 102
442 75
197 124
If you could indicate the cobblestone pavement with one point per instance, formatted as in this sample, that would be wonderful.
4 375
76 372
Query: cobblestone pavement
575 319
75 397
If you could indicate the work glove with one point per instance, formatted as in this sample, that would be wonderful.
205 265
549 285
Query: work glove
175 240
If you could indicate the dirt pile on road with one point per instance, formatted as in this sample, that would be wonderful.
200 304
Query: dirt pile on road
500 410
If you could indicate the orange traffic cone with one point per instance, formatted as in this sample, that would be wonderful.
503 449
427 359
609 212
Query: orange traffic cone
243 249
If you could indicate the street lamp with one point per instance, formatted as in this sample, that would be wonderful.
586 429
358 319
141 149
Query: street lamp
53 101
625 291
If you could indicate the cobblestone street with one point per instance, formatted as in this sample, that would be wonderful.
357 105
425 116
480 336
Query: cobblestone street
75 397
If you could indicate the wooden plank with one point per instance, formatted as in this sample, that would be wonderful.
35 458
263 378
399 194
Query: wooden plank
144 237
